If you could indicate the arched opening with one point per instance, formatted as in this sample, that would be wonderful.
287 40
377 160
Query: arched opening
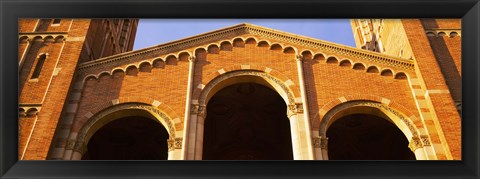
129 138
361 136
247 121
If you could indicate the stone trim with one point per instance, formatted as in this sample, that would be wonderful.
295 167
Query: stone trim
214 82
328 116
229 32
95 118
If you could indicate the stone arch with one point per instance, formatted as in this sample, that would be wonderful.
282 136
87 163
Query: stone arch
453 34
31 111
23 39
345 63
307 54
319 56
171 59
251 75
401 75
238 42
116 70
110 113
290 49
263 43
406 124
226 46
131 70
158 63
183 55
332 60
386 72
358 66
213 49
49 38
251 40
59 38
280 86
103 74
145 66
395 113
372 69
276 46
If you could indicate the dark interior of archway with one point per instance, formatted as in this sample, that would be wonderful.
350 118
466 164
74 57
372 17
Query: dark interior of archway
247 121
129 138
366 137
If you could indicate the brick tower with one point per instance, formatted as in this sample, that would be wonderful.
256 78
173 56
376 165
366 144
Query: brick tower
435 46
49 52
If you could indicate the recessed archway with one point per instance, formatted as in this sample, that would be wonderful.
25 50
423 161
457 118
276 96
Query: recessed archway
366 137
129 138
247 121
126 116
368 130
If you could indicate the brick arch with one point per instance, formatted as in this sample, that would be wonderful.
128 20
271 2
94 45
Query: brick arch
387 106
280 86
104 116
134 99
294 88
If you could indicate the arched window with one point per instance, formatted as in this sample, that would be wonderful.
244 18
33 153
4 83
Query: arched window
38 67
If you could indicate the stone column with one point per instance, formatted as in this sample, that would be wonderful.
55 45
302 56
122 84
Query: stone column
320 147
305 127
199 132
301 148
79 149
188 105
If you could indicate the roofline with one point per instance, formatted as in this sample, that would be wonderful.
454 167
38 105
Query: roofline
247 29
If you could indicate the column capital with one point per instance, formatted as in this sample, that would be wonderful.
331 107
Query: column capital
192 59
298 58
80 147
415 143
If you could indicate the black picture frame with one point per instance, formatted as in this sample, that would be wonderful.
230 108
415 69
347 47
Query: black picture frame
468 10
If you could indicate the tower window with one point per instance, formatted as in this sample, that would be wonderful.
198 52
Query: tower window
56 22
38 67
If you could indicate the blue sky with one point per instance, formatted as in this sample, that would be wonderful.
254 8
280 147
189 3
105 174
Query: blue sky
152 32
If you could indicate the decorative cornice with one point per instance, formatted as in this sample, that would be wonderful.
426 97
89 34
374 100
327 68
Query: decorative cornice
242 29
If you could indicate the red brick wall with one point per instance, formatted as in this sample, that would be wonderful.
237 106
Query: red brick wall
33 92
26 25
56 94
247 54
167 84
326 82
432 75
448 51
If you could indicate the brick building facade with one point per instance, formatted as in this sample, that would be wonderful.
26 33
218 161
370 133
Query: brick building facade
242 92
